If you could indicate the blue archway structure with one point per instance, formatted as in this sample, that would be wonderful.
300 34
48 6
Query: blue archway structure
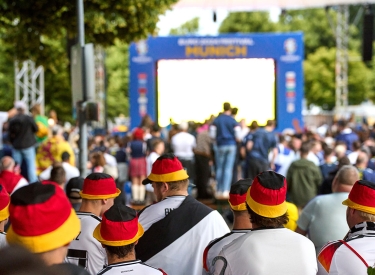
286 49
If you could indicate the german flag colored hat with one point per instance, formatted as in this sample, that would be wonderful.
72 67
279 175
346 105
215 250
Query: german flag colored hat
4 203
97 186
362 197
237 194
267 195
42 218
118 227
166 168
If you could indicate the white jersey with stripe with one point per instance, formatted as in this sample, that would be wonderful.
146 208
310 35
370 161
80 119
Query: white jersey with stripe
136 267
85 250
214 248
184 255
3 240
160 210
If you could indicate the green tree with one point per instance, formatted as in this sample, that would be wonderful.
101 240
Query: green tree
189 27
245 22
118 79
319 69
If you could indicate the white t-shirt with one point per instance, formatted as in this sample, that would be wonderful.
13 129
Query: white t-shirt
3 119
214 248
266 252
70 172
336 258
3 240
110 160
324 217
85 250
159 210
183 144
130 267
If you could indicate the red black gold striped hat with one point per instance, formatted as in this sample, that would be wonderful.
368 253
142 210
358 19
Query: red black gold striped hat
267 195
4 203
237 194
97 186
118 227
166 168
362 197
42 218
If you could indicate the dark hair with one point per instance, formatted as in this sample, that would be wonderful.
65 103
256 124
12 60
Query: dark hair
261 221
356 145
234 111
65 156
226 106
270 123
254 125
305 148
155 143
327 151
58 174
120 251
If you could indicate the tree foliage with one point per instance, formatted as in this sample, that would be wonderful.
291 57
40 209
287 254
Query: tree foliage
189 27
245 22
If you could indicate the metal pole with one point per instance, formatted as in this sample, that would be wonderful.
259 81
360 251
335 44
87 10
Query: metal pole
80 107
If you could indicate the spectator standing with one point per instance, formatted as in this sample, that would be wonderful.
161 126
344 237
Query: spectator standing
178 226
356 252
241 224
323 218
183 144
42 123
268 241
329 164
262 142
22 129
118 233
346 134
51 150
361 164
304 178
225 130
4 214
9 178
4 116
73 192
138 171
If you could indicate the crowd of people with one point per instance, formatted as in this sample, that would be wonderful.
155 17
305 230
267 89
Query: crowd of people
301 201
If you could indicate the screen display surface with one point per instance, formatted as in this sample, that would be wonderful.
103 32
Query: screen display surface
193 90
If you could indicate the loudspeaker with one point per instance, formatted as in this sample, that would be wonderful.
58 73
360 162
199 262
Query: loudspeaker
368 35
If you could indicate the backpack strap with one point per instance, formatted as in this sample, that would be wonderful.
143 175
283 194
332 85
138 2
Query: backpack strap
355 252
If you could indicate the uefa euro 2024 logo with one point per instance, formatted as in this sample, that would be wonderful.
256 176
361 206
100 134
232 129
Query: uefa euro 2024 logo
290 46
142 48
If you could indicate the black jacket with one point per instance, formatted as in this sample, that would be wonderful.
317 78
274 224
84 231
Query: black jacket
22 129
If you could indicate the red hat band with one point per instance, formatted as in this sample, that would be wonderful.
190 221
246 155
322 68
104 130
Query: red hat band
101 188
114 231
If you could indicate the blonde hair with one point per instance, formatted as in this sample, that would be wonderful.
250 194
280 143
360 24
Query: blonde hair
366 216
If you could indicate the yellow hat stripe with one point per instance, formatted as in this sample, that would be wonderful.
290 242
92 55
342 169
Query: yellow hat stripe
174 176
99 237
269 211
100 197
49 241
240 207
4 213
351 204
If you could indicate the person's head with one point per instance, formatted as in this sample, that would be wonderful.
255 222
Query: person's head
20 106
97 159
155 130
158 146
234 111
265 201
342 124
58 175
168 177
43 221
7 164
360 203
345 179
57 130
271 124
356 145
4 207
226 107
316 146
118 232
237 202
296 142
340 149
35 110
328 153
183 126
138 134
305 149
73 189
98 192
65 157
254 125
362 160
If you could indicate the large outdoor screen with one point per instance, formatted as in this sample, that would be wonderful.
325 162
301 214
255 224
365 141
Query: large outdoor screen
193 90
